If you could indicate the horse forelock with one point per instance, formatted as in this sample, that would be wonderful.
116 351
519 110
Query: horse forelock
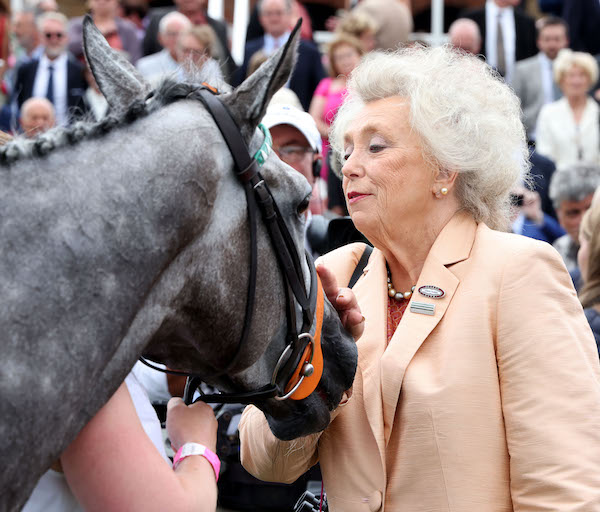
168 91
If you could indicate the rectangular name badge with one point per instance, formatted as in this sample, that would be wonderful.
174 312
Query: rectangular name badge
422 307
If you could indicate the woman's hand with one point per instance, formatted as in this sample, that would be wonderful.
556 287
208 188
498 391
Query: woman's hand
344 301
195 423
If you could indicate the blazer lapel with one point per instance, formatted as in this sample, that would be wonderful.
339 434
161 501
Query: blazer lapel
452 245
372 291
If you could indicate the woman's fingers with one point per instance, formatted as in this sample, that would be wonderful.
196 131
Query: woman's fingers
344 301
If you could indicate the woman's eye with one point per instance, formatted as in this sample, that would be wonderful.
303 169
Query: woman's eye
375 148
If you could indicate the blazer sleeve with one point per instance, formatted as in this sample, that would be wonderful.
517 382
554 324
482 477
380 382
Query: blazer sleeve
549 378
269 459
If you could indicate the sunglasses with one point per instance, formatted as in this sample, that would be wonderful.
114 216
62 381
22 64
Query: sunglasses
57 35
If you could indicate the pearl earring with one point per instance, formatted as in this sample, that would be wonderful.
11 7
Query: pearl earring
444 191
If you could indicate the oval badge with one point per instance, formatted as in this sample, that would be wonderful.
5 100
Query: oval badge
431 291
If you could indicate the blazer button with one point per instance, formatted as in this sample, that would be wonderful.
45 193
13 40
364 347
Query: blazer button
375 501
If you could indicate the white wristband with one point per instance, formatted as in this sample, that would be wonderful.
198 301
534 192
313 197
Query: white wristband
198 449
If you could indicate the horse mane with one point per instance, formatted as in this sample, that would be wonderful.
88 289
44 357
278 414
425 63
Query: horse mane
168 91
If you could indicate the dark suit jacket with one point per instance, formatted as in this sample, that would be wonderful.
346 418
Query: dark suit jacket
307 73
525 45
583 18
151 45
76 85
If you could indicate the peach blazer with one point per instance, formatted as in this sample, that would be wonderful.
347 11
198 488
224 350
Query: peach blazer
491 404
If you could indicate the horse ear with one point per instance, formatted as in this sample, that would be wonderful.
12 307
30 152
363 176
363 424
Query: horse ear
249 101
116 77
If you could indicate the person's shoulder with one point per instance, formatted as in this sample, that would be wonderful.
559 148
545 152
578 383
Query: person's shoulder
308 47
346 256
257 42
527 64
76 22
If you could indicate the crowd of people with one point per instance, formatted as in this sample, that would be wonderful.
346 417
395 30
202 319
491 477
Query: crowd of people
442 139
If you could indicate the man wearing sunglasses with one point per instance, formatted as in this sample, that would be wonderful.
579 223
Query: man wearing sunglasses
56 75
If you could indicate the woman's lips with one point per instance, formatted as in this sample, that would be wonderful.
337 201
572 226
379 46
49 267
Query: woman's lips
353 197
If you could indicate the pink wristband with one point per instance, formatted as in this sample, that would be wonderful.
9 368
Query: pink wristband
198 449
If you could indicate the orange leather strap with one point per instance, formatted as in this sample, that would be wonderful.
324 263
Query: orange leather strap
310 383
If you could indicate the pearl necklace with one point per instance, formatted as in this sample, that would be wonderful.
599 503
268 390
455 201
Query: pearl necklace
393 293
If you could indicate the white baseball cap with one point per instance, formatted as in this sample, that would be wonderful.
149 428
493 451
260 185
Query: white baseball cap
302 121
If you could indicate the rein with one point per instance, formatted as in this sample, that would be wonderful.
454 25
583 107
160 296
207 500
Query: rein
300 366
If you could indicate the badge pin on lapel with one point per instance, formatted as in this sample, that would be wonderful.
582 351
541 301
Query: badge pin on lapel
422 307
431 291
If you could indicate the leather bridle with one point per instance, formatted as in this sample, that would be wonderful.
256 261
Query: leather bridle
300 366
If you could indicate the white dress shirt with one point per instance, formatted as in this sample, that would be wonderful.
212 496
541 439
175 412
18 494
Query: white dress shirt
271 44
507 20
547 77
40 84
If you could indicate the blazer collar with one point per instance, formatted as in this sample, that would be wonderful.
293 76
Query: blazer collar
384 368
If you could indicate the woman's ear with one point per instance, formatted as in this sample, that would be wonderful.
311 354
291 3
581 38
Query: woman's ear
443 181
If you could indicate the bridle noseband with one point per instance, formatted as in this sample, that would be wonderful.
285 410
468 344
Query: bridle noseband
300 366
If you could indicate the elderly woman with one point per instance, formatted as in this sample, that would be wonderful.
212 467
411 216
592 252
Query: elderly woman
571 191
478 383
567 130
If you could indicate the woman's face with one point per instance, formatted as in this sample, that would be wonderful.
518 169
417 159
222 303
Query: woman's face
583 255
575 82
104 7
387 184
346 58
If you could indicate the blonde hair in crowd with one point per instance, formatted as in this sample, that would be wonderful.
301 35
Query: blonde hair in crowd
469 121
566 59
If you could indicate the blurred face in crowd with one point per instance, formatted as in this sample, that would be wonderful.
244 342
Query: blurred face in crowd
293 149
465 36
190 6
25 30
506 3
552 39
575 82
274 17
104 8
570 213
346 58
54 36
168 39
191 52
368 41
37 116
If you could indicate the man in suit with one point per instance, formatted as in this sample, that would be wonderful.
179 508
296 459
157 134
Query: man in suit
275 18
508 34
56 75
534 80
195 11
158 65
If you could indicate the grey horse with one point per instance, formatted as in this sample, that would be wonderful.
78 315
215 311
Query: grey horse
129 236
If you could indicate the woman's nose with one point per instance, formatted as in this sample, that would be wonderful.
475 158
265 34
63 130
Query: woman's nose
352 167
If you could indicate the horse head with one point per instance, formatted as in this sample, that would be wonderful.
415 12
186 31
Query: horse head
205 290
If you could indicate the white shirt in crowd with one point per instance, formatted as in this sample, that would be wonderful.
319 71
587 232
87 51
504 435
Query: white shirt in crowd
507 21
40 85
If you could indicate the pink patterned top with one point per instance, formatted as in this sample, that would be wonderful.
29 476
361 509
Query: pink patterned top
396 309
333 103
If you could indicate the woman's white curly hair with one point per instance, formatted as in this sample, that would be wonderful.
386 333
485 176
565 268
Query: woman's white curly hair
468 119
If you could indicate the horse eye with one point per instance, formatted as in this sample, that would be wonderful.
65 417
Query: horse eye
303 206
